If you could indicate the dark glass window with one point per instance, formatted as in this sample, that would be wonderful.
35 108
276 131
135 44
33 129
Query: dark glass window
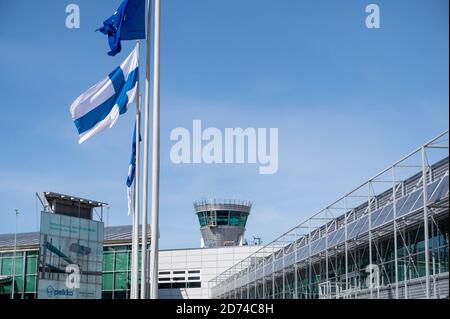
194 271
107 295
179 285
194 284
120 295
222 217
165 286
193 278
178 278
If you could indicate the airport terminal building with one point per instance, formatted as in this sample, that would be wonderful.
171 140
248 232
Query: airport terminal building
33 263
388 238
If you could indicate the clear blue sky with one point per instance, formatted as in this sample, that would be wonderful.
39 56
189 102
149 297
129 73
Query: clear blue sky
348 101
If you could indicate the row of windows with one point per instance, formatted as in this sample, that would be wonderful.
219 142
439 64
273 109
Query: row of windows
180 285
222 218
178 272
180 278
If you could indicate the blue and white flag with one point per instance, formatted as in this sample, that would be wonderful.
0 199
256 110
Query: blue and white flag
99 107
127 23
132 169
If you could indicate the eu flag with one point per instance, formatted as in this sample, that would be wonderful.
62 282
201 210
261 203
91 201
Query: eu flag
127 23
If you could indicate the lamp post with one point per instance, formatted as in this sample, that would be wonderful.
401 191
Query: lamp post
14 256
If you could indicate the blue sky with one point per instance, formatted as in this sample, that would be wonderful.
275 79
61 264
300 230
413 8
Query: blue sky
348 101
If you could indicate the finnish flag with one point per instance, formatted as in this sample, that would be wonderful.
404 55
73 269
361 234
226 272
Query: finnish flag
100 106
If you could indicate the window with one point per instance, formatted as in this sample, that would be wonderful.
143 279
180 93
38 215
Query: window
235 218
222 217
107 295
165 286
6 266
121 261
164 279
194 278
164 272
108 259
18 284
121 281
179 285
120 295
31 265
107 281
179 272
244 220
178 278
194 271
197 284
30 283
202 219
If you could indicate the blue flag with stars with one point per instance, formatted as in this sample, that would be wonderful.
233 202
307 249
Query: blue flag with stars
127 23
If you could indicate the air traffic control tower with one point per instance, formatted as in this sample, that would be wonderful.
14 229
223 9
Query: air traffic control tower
222 222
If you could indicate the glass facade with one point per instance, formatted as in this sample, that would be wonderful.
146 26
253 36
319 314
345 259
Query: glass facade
314 279
117 272
116 278
22 271
222 218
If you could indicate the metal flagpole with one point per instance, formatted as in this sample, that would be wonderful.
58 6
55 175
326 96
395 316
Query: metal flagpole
145 164
14 257
155 159
135 241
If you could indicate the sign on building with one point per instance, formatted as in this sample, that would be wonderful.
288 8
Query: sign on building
70 257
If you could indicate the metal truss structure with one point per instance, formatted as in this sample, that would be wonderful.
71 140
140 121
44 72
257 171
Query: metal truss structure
387 238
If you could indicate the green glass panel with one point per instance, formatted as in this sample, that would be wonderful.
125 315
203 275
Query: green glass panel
107 281
32 253
6 266
121 281
31 265
5 289
18 265
121 261
18 284
235 218
30 283
244 220
108 261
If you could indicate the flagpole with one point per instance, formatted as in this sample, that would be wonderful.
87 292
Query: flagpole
155 159
135 240
144 240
